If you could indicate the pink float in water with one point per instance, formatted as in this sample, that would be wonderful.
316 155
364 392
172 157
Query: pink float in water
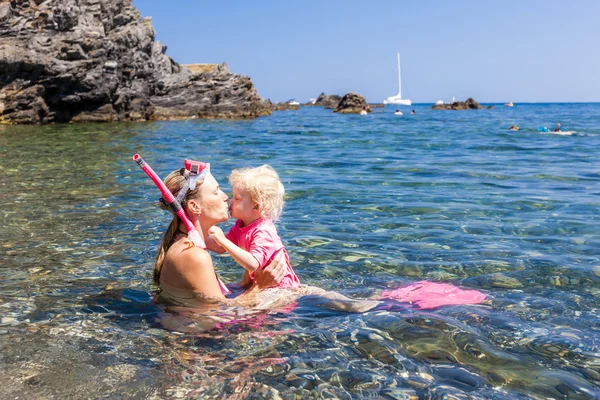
426 294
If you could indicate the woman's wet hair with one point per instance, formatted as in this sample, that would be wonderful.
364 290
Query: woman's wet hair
175 181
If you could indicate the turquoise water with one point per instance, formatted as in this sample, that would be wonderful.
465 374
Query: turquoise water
373 203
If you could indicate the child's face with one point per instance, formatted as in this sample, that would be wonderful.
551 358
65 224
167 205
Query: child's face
241 205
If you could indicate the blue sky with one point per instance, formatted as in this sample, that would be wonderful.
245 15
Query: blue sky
493 51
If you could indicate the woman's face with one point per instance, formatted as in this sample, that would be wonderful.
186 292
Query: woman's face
214 200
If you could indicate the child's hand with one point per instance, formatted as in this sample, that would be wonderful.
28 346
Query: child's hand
217 234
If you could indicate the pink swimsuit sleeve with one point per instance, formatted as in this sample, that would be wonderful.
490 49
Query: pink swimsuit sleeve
263 247
233 234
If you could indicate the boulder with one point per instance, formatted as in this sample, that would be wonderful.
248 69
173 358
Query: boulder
469 104
328 100
93 60
352 103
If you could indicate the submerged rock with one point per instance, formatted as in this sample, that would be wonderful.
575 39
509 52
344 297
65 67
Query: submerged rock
98 61
469 104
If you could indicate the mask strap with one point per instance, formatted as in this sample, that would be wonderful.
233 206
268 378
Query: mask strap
183 192
190 180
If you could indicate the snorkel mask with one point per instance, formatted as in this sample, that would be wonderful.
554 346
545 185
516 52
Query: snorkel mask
196 170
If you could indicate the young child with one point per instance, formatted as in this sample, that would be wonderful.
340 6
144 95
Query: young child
253 241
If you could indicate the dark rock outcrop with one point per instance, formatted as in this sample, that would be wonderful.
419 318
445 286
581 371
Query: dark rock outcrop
97 61
352 103
469 104
328 100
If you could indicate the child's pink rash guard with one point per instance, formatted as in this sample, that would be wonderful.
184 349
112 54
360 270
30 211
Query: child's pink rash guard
260 239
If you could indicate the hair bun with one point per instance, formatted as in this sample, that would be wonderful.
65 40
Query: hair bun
163 205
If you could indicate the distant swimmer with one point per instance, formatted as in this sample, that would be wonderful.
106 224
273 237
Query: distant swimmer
413 112
363 111
514 128
398 112
556 131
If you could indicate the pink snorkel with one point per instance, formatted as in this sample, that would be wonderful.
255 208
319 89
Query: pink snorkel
196 169
171 201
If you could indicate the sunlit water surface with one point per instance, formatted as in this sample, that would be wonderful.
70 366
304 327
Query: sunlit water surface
373 203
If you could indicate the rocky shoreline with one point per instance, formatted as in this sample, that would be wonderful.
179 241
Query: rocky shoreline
98 61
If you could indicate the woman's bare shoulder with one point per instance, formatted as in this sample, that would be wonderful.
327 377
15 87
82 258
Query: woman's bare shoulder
191 268
189 256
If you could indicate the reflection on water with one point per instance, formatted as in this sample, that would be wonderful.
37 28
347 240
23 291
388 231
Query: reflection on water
373 203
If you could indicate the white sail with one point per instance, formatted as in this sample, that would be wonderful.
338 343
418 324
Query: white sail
398 98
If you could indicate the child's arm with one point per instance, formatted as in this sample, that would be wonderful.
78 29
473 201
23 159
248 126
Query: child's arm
212 245
242 257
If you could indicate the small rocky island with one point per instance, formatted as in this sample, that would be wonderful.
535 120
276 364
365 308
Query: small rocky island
469 104
98 61
352 103
328 101
285 105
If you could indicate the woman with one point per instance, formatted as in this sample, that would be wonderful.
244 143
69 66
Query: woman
182 268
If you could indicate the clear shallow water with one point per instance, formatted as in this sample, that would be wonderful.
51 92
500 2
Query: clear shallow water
373 203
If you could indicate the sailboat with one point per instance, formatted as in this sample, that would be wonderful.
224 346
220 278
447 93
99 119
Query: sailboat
398 98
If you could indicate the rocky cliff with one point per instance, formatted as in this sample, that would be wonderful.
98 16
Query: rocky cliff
98 61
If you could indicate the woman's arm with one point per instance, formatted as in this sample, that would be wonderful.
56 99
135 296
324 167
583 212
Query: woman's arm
246 281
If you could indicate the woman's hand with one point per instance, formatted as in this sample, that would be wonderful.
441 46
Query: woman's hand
272 274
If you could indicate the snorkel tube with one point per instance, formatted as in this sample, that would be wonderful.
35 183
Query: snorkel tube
173 202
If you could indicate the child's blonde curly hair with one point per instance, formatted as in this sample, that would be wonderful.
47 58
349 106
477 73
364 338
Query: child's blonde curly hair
264 187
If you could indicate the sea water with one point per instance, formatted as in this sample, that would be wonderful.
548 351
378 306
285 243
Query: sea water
372 203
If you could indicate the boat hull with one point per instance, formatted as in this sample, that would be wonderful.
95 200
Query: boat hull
399 102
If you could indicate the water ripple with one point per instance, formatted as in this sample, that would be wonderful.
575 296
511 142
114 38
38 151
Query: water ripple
372 203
